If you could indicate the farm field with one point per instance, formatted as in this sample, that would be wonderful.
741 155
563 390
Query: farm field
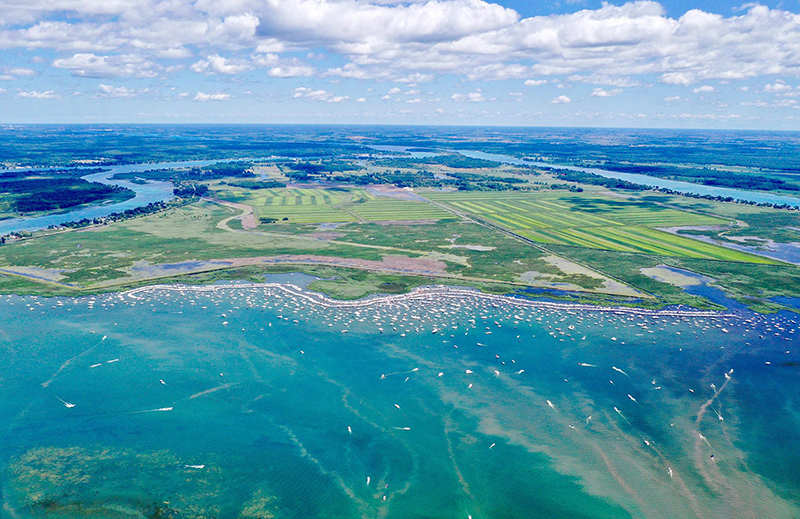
381 209
339 205
595 222
296 204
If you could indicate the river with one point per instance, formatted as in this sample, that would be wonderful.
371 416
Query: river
646 180
149 192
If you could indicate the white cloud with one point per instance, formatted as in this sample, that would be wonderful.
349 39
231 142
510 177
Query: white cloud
535 82
93 66
672 99
356 71
415 78
19 72
317 95
271 45
498 71
291 71
216 64
778 86
677 78
239 26
283 68
599 92
352 71
176 53
611 46
600 79
108 91
33 94
361 100
202 96
786 103
757 104
705 89
560 100
371 27
711 117
474 97
394 91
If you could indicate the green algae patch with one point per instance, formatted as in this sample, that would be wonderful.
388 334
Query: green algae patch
110 483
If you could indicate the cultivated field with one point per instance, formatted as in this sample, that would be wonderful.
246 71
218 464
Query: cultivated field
384 209
297 205
339 205
594 221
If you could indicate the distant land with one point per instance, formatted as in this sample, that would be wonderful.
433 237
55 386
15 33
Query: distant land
646 218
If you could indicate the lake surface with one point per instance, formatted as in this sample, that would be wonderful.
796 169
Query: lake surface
646 180
269 401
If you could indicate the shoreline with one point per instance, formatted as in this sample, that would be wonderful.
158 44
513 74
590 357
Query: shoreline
422 294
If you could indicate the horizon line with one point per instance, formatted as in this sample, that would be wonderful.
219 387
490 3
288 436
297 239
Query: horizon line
5 126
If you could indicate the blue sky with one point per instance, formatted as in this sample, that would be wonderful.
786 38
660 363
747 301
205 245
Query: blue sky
678 63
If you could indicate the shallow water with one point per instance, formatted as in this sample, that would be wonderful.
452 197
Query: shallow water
266 400
788 252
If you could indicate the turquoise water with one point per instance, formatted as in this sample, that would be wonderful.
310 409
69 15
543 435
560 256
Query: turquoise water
270 401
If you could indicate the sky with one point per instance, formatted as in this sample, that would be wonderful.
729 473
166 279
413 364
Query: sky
673 63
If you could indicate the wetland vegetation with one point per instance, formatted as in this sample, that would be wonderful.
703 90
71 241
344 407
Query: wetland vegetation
407 218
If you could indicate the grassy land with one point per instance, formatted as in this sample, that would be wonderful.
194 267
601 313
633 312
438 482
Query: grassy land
595 222
382 209
297 205
319 205
498 257
590 243
188 233
186 239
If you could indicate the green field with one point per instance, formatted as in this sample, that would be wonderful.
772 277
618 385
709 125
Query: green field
381 209
340 205
595 222
297 205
